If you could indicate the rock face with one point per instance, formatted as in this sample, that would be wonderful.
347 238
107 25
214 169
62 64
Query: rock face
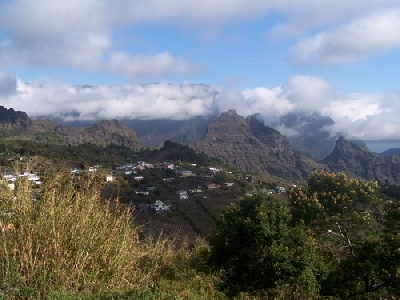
11 120
360 162
17 125
250 146
104 133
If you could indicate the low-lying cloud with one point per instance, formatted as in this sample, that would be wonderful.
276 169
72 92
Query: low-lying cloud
360 115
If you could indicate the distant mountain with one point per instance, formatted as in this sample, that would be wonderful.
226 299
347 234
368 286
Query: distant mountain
13 122
154 133
360 162
307 132
103 133
244 143
250 146
390 152
17 125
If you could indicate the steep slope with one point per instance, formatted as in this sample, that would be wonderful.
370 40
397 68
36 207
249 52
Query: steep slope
154 133
250 146
360 162
12 121
104 133
17 125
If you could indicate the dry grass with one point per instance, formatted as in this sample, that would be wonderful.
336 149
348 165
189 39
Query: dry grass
70 242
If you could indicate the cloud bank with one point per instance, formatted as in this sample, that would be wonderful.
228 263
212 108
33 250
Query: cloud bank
363 116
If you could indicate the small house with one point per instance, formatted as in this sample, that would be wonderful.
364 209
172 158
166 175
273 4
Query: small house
159 207
185 173
280 189
167 166
110 178
182 194
213 186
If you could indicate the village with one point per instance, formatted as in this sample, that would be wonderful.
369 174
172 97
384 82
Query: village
162 193
189 180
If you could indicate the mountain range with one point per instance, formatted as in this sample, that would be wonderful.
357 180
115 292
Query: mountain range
18 125
246 144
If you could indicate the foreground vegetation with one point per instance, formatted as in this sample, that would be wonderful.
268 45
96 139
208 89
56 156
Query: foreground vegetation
337 238
70 244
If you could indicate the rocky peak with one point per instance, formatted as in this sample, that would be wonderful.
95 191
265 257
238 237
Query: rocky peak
11 119
360 162
103 133
345 149
250 146
107 132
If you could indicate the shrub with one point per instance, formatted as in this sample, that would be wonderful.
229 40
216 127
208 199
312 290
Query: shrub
260 253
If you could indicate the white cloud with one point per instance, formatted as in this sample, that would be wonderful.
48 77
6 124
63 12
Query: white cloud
78 35
81 34
159 101
361 115
365 36
8 85
158 65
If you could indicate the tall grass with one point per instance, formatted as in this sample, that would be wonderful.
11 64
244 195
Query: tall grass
68 241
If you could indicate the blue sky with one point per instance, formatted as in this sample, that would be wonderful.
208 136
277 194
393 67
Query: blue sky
339 58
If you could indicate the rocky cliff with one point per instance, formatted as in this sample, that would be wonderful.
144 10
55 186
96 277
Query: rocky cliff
103 133
14 121
249 145
17 125
360 162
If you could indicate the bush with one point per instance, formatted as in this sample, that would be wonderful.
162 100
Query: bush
259 252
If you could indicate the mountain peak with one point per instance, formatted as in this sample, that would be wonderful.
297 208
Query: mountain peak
250 146
360 162
231 112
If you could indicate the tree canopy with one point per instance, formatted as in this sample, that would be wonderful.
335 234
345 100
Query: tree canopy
338 237
259 251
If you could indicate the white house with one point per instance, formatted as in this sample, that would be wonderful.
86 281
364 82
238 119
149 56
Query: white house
182 194
110 178
159 207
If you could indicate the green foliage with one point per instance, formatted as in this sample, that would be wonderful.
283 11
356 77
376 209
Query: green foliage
334 198
259 251
353 224
374 271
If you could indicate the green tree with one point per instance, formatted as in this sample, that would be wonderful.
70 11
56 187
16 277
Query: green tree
259 251
346 216
335 203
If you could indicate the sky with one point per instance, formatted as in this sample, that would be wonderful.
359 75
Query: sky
177 59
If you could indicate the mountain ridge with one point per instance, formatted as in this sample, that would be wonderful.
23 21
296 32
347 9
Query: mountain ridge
244 143
249 145
18 125
360 162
